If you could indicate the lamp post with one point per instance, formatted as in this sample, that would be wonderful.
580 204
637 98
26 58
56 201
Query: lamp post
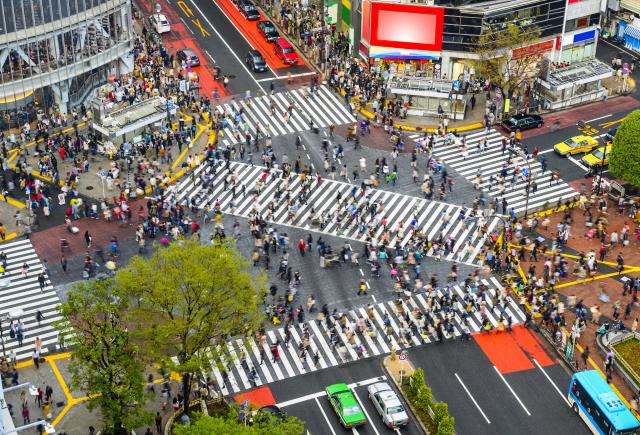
522 154
3 317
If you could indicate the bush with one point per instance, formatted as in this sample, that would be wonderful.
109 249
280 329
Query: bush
424 398
624 159
417 381
446 426
440 412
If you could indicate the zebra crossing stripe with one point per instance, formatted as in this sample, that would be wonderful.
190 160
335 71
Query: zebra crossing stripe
491 161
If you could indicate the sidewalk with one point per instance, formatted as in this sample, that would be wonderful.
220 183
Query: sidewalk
606 280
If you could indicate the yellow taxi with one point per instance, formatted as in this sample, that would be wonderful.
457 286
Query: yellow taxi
576 145
595 158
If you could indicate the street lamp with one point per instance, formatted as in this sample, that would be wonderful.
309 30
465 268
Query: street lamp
3 316
604 153
522 154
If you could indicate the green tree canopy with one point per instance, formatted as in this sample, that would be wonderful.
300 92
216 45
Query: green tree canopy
496 61
106 364
624 160
207 425
188 298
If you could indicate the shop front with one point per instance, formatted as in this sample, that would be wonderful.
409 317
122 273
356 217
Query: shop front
404 40
579 45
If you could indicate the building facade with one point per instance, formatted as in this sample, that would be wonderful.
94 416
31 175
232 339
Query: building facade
53 53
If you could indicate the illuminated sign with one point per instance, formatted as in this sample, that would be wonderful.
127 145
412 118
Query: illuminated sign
406 26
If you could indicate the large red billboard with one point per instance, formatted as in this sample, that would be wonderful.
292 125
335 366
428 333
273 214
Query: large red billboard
406 26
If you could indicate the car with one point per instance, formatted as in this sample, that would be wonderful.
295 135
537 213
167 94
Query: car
523 122
249 10
388 405
285 51
345 405
255 61
594 158
268 30
188 55
160 23
575 145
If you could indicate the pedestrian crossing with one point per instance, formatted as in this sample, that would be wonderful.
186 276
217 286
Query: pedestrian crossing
322 107
358 333
207 186
21 298
490 162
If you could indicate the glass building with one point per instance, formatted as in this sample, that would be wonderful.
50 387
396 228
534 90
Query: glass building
53 53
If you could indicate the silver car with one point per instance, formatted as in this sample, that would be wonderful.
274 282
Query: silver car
388 405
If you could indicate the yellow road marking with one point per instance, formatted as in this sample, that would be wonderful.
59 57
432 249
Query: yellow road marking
12 201
610 123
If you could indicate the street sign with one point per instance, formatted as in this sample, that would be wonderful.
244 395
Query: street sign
403 356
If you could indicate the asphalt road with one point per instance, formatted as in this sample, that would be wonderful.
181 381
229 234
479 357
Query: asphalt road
525 402
537 409
298 396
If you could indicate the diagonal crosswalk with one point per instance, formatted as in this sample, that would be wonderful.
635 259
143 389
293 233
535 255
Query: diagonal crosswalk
207 187
21 298
362 332
491 161
322 107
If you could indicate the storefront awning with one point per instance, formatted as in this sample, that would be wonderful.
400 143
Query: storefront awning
632 32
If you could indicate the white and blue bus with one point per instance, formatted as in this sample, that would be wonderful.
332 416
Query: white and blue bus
601 409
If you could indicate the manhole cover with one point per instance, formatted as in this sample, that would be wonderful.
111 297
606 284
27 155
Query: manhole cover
89 187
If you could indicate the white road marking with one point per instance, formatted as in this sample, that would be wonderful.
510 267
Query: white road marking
373 426
472 398
512 392
550 150
312 396
324 414
550 380
577 163
233 53
297 75
185 24
210 57
598 119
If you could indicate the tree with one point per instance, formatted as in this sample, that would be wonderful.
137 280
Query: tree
189 298
206 425
106 363
624 159
497 62
440 412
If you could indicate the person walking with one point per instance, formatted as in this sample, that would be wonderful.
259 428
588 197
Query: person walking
158 421
35 356
585 355
88 238
42 280
362 287
63 264
39 317
275 352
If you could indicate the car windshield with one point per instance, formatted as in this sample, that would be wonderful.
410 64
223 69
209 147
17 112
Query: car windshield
249 8
572 143
352 410
395 409
287 50
269 27
597 154
258 60
514 121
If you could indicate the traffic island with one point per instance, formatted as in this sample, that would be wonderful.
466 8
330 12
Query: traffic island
432 417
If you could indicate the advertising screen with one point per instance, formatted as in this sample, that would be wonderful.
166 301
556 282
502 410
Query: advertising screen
406 26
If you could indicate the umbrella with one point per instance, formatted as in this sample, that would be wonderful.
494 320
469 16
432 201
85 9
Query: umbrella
110 265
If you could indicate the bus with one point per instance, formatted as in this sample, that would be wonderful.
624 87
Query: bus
601 409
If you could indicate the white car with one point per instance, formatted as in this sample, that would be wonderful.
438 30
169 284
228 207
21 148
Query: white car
160 23
388 405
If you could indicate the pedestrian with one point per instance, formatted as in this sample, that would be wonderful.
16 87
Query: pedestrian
48 393
362 287
39 317
63 264
35 356
311 302
25 414
42 280
302 247
585 355
88 238
158 421
275 352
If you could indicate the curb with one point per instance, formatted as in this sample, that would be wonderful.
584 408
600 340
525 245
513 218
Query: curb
363 111
405 399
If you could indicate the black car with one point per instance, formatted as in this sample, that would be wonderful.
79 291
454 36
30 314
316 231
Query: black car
249 10
188 55
523 122
268 30
255 61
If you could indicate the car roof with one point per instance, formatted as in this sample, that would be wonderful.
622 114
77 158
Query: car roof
283 43
266 23
347 398
160 17
189 51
